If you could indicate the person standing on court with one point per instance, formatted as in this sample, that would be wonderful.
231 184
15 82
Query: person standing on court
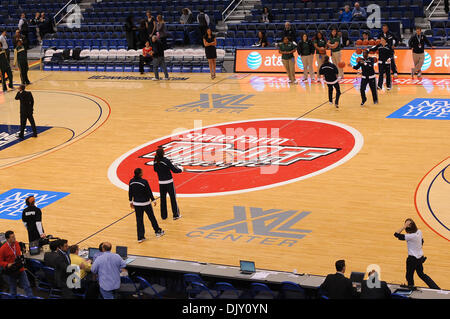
305 50
287 49
330 72
164 168
392 42
158 58
334 43
32 219
26 110
320 44
415 260
385 54
368 76
417 44
141 197
5 67
21 60
209 41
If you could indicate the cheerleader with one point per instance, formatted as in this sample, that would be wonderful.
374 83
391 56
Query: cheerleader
163 167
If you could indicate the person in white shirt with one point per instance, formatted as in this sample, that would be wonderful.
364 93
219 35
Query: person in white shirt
4 41
415 260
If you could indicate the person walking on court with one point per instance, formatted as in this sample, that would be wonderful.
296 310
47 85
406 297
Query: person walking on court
415 260
330 72
21 60
417 44
5 67
305 50
158 58
287 49
368 76
209 41
26 110
141 197
385 54
163 167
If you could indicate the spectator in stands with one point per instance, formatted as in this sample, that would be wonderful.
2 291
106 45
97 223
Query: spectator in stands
337 286
146 57
346 15
142 35
345 41
320 43
334 43
4 42
262 40
158 58
12 262
377 290
62 261
266 16
161 30
130 33
50 256
43 25
289 32
35 22
305 50
203 21
366 37
210 43
23 28
287 49
358 13
417 44
108 267
151 24
186 16
77 260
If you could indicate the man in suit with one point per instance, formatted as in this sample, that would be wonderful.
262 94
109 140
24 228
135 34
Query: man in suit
62 261
337 286
50 256
26 110
377 290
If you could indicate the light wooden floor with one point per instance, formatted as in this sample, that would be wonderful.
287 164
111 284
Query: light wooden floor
355 208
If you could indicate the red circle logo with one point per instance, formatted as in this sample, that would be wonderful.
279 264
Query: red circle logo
243 156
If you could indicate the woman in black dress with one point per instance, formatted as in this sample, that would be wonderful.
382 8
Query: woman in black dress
209 41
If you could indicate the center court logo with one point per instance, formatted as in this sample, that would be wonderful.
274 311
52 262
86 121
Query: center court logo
254 60
256 225
238 157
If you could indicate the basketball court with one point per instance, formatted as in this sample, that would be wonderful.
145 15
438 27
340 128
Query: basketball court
341 182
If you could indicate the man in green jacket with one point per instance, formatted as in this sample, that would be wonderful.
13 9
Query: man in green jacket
21 60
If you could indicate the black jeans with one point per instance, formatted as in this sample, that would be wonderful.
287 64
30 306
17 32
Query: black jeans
384 69
393 65
144 60
373 88
23 122
416 265
140 220
330 92
23 68
163 190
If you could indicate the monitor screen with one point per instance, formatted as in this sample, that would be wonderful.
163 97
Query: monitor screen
247 266
357 277
92 252
122 251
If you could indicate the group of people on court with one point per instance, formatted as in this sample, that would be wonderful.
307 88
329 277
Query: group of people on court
333 71
141 196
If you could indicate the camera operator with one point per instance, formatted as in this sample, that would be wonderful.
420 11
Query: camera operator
32 219
12 262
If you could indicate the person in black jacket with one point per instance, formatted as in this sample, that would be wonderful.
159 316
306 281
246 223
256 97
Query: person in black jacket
32 219
163 167
337 286
376 290
305 50
392 41
26 110
289 32
417 43
21 60
368 76
51 256
385 54
140 196
330 72
62 261
158 58
5 67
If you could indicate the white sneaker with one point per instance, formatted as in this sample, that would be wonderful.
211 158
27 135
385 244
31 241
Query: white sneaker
142 240
177 217
331 103
160 233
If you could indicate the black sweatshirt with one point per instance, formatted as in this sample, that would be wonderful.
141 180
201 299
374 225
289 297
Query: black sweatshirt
384 52
139 192
366 66
330 71
164 168
417 43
